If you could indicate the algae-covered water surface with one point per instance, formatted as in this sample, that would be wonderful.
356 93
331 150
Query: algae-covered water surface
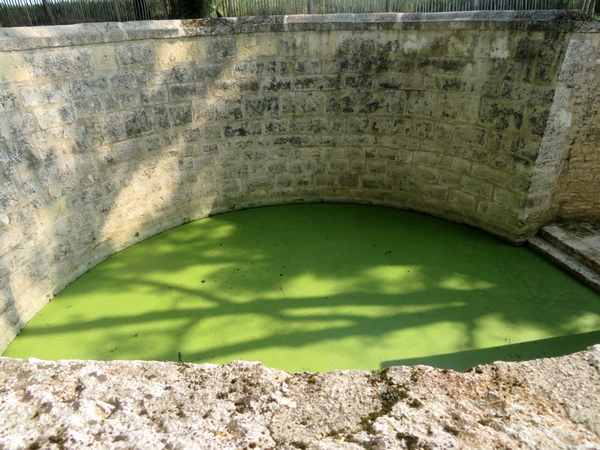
317 288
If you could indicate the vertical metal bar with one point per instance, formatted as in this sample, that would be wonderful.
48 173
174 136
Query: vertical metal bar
163 5
117 11
311 7
388 6
49 12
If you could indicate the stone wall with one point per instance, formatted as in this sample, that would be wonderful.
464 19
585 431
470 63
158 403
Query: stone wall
578 191
111 133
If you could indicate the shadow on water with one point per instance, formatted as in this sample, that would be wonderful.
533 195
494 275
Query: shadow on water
319 287
543 348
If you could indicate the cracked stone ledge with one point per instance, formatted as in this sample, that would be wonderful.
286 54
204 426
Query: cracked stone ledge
543 404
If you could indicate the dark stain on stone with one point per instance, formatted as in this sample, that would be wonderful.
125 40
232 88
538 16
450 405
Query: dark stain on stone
410 441
244 404
450 429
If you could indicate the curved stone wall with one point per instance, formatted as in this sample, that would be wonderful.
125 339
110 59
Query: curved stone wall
111 133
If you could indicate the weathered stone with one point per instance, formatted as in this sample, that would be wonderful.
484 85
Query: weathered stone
137 122
220 48
134 55
188 91
264 106
59 63
49 93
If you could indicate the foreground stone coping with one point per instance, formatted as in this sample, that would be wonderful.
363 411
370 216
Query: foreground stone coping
544 404
69 35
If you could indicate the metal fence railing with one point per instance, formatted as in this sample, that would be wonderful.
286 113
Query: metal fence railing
238 8
14 13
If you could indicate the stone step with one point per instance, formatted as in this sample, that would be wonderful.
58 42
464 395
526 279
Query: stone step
577 241
565 261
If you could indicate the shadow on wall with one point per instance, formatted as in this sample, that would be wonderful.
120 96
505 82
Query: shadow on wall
319 287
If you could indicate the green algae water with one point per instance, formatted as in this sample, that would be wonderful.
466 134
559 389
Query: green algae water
317 288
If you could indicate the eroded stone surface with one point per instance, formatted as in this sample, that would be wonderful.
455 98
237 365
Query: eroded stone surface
551 403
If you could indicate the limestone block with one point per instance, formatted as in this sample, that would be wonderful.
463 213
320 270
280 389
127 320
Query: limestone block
179 92
172 52
172 115
263 106
57 63
382 182
135 54
207 73
27 184
580 50
243 129
377 167
422 103
449 178
492 210
128 80
89 106
16 126
470 134
236 87
527 93
251 46
464 201
444 162
10 324
9 100
318 125
448 66
500 47
346 103
89 86
498 177
412 187
219 48
435 192
531 47
127 150
46 93
502 115
294 45
425 44
323 44
316 82
55 116
12 67
538 119
459 107
358 124
559 122
258 183
276 84
445 83
428 174
462 44
11 238
423 128
104 57
218 110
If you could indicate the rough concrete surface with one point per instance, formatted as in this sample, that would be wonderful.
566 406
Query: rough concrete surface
542 404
